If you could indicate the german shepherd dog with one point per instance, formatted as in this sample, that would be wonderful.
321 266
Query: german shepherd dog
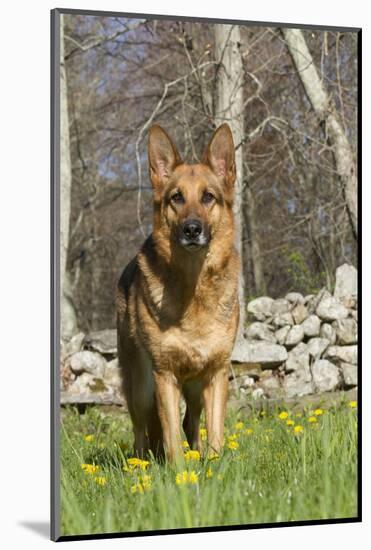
177 300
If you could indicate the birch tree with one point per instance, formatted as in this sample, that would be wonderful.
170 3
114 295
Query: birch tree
68 315
228 107
325 110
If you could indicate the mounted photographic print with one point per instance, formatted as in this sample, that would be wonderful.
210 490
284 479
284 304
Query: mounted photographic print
205 273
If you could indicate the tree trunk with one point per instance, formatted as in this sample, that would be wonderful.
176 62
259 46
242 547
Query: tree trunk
228 107
325 111
68 314
256 256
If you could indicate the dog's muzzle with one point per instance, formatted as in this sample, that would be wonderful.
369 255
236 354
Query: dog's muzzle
194 234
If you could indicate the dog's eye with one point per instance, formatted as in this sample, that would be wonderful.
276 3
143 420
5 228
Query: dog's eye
177 198
207 197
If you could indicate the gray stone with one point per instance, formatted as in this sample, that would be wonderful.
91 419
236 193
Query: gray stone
349 302
299 380
330 309
113 364
297 385
297 358
281 334
283 319
311 326
346 331
308 298
265 353
313 302
326 376
271 386
112 374
258 393
317 346
245 382
354 314
88 362
295 298
350 374
103 341
295 335
92 398
259 331
328 332
66 375
299 313
260 308
342 354
346 281
87 383
281 305
75 344
81 383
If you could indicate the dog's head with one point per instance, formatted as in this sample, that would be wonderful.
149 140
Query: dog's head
190 200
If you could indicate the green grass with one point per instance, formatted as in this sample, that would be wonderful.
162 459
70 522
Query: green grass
273 476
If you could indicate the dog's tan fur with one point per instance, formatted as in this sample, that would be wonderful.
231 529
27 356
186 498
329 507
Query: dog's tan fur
177 311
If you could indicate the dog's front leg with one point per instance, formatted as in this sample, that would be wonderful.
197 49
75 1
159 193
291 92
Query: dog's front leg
168 401
215 394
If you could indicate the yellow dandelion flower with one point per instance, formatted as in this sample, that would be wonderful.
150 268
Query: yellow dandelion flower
89 438
249 431
290 422
233 437
181 478
209 473
136 464
193 477
146 479
283 415
144 484
100 480
184 478
352 404
185 444
90 468
318 412
312 419
203 434
239 426
233 445
213 456
192 455
298 429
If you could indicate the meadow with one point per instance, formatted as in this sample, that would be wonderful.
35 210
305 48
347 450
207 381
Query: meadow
277 465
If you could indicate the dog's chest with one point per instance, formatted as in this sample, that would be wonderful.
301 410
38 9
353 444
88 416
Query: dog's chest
189 352
191 333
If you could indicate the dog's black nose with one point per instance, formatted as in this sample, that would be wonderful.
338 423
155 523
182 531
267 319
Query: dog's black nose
192 229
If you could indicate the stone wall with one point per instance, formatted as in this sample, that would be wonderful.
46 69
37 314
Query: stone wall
292 346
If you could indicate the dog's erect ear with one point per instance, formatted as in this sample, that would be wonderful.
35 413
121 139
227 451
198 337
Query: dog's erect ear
162 154
219 154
